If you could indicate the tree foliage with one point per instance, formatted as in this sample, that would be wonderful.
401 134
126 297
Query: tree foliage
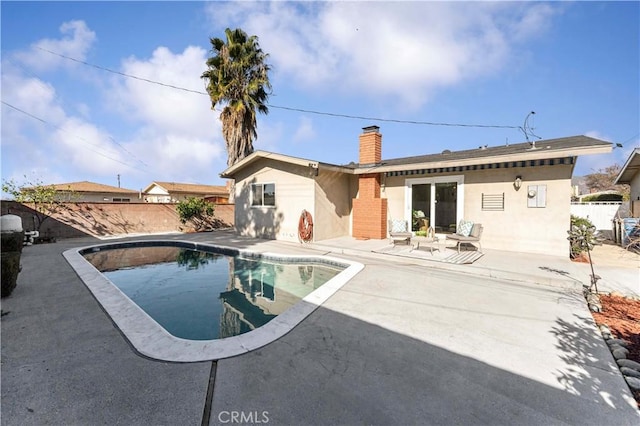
603 179
237 76
582 235
43 197
197 211
603 197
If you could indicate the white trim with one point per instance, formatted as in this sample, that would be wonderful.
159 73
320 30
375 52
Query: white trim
408 188
253 206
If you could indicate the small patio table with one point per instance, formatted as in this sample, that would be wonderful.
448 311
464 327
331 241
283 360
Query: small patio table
431 243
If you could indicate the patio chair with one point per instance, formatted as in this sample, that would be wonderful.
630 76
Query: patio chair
472 237
399 231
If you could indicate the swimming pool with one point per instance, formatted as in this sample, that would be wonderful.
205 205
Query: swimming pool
204 295
250 275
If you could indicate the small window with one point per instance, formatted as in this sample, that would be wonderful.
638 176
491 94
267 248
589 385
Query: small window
122 200
263 194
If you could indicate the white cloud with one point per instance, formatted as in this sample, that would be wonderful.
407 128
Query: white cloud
598 135
535 20
76 41
40 135
305 130
588 164
179 133
177 136
403 51
165 108
271 135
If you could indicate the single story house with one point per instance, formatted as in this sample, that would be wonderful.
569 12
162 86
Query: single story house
172 192
520 193
630 174
86 191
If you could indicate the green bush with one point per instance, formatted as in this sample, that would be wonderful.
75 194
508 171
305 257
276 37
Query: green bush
582 235
602 197
197 211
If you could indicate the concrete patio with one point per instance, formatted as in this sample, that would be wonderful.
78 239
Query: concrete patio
505 340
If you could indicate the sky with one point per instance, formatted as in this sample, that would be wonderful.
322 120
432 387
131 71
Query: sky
73 111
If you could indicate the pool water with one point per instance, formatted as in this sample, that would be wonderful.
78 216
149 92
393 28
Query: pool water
201 295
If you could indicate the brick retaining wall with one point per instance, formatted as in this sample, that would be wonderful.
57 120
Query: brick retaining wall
106 219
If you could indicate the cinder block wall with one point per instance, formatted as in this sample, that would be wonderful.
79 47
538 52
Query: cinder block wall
106 219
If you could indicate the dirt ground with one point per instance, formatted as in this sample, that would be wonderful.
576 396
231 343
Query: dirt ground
622 316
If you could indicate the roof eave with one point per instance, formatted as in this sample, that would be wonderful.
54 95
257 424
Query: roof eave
231 171
537 154
630 168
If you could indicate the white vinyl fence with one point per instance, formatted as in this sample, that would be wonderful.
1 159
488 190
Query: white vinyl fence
601 213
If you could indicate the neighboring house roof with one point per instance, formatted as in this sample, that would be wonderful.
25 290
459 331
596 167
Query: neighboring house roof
86 186
542 149
189 188
630 168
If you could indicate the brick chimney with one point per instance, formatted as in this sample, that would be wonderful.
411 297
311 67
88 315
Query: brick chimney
369 210
370 145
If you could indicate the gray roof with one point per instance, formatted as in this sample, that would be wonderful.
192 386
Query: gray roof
544 149
497 151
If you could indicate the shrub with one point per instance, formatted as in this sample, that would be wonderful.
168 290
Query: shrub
197 211
582 235
602 197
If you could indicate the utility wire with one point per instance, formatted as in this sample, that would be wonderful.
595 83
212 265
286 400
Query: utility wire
66 131
40 82
330 114
390 120
120 73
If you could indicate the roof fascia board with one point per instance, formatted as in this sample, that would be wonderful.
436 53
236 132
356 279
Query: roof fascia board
537 154
256 155
631 166
151 185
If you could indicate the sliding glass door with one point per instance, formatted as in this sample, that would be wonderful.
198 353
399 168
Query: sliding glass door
420 206
439 200
446 206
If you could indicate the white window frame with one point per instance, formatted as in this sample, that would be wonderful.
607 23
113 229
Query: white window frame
262 204
408 188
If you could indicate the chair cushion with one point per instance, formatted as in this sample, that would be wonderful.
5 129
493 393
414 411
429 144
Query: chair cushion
475 231
464 228
398 225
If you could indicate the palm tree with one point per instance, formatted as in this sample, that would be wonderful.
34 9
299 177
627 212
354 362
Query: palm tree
237 77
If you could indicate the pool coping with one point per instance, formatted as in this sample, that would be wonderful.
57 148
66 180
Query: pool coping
150 339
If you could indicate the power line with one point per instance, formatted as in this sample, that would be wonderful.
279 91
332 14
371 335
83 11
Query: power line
330 114
40 82
61 129
390 120
120 73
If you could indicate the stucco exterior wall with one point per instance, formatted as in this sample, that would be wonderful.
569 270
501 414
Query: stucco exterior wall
294 187
107 219
634 194
393 189
333 195
326 196
517 227
97 197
